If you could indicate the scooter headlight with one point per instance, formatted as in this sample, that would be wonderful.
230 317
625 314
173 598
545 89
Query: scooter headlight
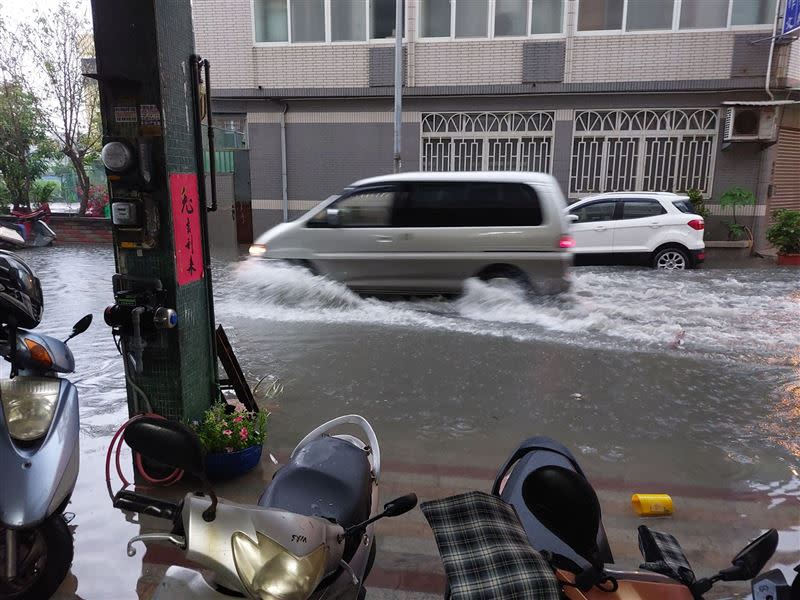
28 405
270 572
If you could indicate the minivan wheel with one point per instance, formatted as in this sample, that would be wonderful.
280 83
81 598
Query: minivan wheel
304 264
671 259
506 276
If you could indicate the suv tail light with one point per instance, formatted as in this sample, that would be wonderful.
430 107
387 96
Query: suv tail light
566 241
697 224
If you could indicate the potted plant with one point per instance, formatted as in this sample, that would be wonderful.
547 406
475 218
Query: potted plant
784 234
232 438
737 196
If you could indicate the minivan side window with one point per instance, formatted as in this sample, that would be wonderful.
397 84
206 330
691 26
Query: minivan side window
596 211
639 209
464 204
368 208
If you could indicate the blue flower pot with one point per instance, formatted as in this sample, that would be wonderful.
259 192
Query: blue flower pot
227 465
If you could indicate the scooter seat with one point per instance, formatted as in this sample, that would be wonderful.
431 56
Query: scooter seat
329 478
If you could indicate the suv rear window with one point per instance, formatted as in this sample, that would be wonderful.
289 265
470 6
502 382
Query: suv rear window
479 204
685 206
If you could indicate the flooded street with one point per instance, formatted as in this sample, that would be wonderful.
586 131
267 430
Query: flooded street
682 383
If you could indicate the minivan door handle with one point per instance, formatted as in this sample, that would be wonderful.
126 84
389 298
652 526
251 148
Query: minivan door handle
600 228
383 239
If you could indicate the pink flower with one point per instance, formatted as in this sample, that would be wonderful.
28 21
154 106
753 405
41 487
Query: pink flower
243 433
229 450
238 419
226 432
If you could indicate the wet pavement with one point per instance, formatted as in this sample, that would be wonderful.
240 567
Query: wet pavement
684 383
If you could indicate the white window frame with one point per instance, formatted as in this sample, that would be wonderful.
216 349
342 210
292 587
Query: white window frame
491 5
368 39
641 135
676 20
487 136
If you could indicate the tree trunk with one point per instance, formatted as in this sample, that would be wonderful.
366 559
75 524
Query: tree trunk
83 181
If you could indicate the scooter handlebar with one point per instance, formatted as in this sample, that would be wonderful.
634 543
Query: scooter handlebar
133 502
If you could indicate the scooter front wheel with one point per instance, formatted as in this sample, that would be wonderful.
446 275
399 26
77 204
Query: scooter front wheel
44 556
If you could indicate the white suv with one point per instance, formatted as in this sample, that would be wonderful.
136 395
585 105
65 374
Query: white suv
643 227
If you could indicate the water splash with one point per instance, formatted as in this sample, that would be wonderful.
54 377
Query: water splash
738 314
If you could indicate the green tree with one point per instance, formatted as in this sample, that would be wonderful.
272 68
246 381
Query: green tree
54 45
42 192
25 148
737 196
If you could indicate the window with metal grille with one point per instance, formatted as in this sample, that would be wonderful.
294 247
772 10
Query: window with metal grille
643 150
487 141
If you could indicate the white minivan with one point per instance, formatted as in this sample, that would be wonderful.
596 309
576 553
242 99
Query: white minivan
425 233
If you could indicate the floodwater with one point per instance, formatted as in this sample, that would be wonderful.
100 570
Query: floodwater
685 383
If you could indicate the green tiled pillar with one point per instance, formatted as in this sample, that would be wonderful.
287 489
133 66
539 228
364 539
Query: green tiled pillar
143 50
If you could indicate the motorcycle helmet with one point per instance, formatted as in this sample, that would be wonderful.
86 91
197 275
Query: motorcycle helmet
20 292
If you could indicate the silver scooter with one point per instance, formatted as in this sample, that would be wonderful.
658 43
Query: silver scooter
310 535
39 432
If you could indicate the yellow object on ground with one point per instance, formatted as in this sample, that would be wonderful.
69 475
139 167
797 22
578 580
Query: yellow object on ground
652 505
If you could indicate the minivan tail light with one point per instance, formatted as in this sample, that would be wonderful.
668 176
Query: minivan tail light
566 241
697 224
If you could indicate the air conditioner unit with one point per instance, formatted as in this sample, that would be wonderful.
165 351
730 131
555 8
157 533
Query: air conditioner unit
751 124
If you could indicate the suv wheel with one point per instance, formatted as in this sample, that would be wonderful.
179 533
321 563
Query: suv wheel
671 259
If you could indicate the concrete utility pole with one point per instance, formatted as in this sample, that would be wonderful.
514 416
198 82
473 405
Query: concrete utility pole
398 82
146 72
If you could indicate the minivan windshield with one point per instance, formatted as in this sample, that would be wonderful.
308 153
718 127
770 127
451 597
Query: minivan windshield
319 209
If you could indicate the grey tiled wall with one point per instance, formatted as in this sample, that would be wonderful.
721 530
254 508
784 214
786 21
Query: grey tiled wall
543 61
381 66
749 59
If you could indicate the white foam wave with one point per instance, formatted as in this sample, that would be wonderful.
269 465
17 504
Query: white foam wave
754 313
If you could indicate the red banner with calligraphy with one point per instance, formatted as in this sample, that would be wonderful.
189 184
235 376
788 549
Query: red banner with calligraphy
186 226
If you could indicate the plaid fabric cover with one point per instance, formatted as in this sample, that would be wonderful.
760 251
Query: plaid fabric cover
485 550
663 554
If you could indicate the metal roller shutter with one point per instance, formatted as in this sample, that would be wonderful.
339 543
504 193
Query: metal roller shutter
786 173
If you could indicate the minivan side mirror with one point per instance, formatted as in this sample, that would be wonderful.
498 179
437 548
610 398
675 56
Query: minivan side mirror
333 217
572 218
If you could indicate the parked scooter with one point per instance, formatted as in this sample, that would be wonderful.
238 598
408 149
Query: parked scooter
39 430
31 227
10 238
310 535
559 512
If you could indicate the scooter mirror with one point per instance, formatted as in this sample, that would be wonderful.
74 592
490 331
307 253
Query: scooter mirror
400 506
749 562
80 326
167 442
393 508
